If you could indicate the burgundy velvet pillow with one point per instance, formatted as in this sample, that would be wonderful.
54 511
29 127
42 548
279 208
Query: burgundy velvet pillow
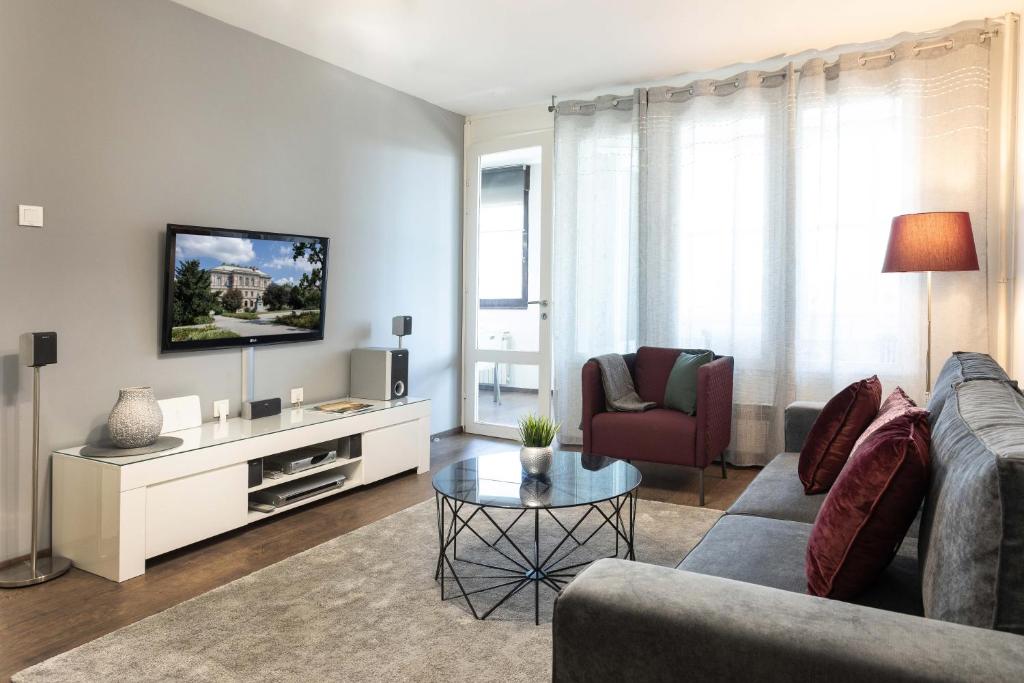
897 403
830 441
869 509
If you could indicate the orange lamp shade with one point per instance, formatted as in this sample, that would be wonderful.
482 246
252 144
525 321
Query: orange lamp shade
930 241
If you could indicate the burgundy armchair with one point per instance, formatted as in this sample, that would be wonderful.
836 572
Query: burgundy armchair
661 434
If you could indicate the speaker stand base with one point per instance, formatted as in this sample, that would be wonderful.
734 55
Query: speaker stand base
21 574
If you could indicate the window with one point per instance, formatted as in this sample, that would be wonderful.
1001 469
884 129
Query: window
503 250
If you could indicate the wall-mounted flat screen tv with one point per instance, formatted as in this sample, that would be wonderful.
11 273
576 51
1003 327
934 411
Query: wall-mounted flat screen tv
225 288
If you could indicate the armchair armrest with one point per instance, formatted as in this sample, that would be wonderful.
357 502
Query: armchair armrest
593 394
714 409
593 399
800 416
631 621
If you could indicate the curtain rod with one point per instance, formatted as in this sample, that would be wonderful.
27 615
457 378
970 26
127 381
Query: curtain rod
948 44
864 59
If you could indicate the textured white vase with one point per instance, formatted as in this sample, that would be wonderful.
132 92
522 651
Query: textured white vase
136 418
536 460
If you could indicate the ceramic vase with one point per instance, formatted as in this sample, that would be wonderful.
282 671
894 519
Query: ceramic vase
136 418
536 460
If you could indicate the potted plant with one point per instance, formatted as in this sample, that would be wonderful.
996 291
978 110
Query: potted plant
536 434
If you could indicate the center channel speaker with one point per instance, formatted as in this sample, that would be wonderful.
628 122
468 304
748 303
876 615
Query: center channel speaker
380 374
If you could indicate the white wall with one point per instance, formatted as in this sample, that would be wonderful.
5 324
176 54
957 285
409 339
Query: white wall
120 117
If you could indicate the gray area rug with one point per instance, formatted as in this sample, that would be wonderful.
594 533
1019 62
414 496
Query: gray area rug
361 607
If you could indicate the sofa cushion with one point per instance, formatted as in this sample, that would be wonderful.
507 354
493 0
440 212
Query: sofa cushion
870 507
656 435
681 389
962 366
776 492
972 531
830 441
770 552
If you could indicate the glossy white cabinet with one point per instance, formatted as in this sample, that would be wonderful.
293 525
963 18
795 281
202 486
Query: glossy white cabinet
112 514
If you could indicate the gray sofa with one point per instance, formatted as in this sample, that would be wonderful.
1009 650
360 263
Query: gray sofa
950 607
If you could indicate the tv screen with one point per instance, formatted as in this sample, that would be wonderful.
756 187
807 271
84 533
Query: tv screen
226 288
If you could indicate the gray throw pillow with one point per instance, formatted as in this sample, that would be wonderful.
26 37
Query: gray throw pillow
681 390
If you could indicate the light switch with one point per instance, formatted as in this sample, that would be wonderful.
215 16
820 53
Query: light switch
30 216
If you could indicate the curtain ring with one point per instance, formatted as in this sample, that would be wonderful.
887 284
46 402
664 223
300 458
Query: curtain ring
863 61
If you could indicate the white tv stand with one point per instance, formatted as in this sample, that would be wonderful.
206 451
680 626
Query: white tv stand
112 514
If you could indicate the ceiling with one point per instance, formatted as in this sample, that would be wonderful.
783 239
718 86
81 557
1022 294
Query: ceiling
476 56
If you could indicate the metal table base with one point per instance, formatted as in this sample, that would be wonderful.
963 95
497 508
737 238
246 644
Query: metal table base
522 565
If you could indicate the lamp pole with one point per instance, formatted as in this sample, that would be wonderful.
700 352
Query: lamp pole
928 353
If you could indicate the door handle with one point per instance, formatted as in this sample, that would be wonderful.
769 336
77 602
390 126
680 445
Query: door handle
543 303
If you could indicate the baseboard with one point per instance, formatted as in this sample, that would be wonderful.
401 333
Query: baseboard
446 433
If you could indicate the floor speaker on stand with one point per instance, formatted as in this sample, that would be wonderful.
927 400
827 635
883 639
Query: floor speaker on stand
37 349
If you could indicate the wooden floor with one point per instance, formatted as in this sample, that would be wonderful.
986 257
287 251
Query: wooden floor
41 621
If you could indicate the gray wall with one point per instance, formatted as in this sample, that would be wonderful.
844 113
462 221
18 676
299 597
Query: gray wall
122 116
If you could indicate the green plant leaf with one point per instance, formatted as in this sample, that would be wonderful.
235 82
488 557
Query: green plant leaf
536 431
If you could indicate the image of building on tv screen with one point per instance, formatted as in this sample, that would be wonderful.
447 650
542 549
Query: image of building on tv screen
228 287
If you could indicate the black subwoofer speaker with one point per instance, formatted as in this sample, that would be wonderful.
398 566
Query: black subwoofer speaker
380 374
399 373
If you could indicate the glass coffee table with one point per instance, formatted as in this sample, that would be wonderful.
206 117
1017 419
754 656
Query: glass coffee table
511 523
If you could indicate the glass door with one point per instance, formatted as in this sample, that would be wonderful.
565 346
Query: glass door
507 358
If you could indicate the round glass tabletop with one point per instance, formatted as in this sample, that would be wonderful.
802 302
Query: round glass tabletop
497 480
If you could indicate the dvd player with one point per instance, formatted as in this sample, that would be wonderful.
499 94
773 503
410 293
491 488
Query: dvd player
294 491
300 459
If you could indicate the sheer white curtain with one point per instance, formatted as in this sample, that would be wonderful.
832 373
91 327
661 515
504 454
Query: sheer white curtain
750 216
595 256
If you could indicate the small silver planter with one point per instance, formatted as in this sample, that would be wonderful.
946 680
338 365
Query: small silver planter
536 460
136 419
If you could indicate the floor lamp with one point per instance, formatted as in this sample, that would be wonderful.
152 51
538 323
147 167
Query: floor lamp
926 242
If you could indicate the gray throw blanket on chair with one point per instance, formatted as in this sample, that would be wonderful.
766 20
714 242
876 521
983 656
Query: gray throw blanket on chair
619 391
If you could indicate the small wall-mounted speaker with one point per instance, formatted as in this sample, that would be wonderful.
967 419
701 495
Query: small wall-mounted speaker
38 349
254 410
401 325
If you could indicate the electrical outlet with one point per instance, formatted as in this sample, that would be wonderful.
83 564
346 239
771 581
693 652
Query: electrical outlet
296 396
222 408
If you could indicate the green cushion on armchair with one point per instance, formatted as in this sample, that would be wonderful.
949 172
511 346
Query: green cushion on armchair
681 390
